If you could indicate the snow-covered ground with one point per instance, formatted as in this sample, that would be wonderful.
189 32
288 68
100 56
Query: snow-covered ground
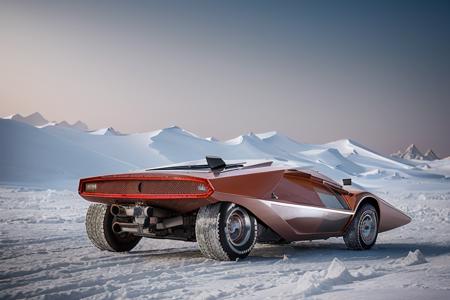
45 254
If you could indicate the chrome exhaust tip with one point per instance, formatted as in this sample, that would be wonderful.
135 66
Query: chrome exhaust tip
116 228
115 210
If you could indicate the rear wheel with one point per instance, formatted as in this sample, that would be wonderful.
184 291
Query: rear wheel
225 231
363 231
99 222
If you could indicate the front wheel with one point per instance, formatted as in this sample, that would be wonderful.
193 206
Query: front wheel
363 231
225 231
99 222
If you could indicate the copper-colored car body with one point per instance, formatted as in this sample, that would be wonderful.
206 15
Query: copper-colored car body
295 204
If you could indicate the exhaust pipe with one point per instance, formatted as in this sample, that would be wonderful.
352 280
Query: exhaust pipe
116 228
138 211
119 227
117 210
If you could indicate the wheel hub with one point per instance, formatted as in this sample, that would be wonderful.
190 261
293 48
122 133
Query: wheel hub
238 227
368 228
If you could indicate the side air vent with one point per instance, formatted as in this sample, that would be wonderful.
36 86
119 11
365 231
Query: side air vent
347 181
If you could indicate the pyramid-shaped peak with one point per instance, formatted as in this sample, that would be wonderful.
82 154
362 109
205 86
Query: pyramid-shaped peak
17 117
112 131
35 119
106 131
35 115
77 126
411 152
80 125
64 124
412 147
430 155
14 116
173 127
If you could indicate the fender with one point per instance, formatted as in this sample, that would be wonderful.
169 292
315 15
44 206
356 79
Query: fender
389 216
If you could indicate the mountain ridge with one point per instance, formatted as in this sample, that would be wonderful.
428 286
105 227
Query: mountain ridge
412 152
54 152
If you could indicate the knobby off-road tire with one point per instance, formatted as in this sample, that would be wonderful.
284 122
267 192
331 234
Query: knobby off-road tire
99 222
363 231
225 231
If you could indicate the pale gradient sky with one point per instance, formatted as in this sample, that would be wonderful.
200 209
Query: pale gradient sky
317 71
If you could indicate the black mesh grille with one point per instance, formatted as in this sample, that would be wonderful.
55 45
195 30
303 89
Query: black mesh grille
160 187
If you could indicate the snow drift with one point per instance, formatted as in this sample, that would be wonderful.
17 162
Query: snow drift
45 155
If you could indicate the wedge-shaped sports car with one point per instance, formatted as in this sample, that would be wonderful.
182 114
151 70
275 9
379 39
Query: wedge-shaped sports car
227 208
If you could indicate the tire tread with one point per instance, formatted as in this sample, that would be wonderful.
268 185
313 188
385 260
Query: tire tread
210 234
100 233
351 237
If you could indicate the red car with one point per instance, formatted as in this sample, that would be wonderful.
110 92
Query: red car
227 208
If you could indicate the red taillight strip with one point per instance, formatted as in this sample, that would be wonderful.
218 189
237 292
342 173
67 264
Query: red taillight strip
204 181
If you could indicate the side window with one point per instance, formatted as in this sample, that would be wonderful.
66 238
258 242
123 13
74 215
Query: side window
331 200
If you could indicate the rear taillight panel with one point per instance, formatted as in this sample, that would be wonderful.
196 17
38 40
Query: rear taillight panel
146 187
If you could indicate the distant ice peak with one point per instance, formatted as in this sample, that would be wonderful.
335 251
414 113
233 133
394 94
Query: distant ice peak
37 120
109 131
34 119
413 152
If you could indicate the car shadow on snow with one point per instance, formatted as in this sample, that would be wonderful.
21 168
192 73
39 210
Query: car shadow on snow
308 251
167 253
323 251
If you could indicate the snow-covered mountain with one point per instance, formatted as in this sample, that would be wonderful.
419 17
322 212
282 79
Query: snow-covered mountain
53 220
105 131
77 125
49 154
413 153
35 119
430 155
80 125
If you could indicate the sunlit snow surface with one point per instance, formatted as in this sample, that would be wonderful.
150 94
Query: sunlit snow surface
58 157
45 254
